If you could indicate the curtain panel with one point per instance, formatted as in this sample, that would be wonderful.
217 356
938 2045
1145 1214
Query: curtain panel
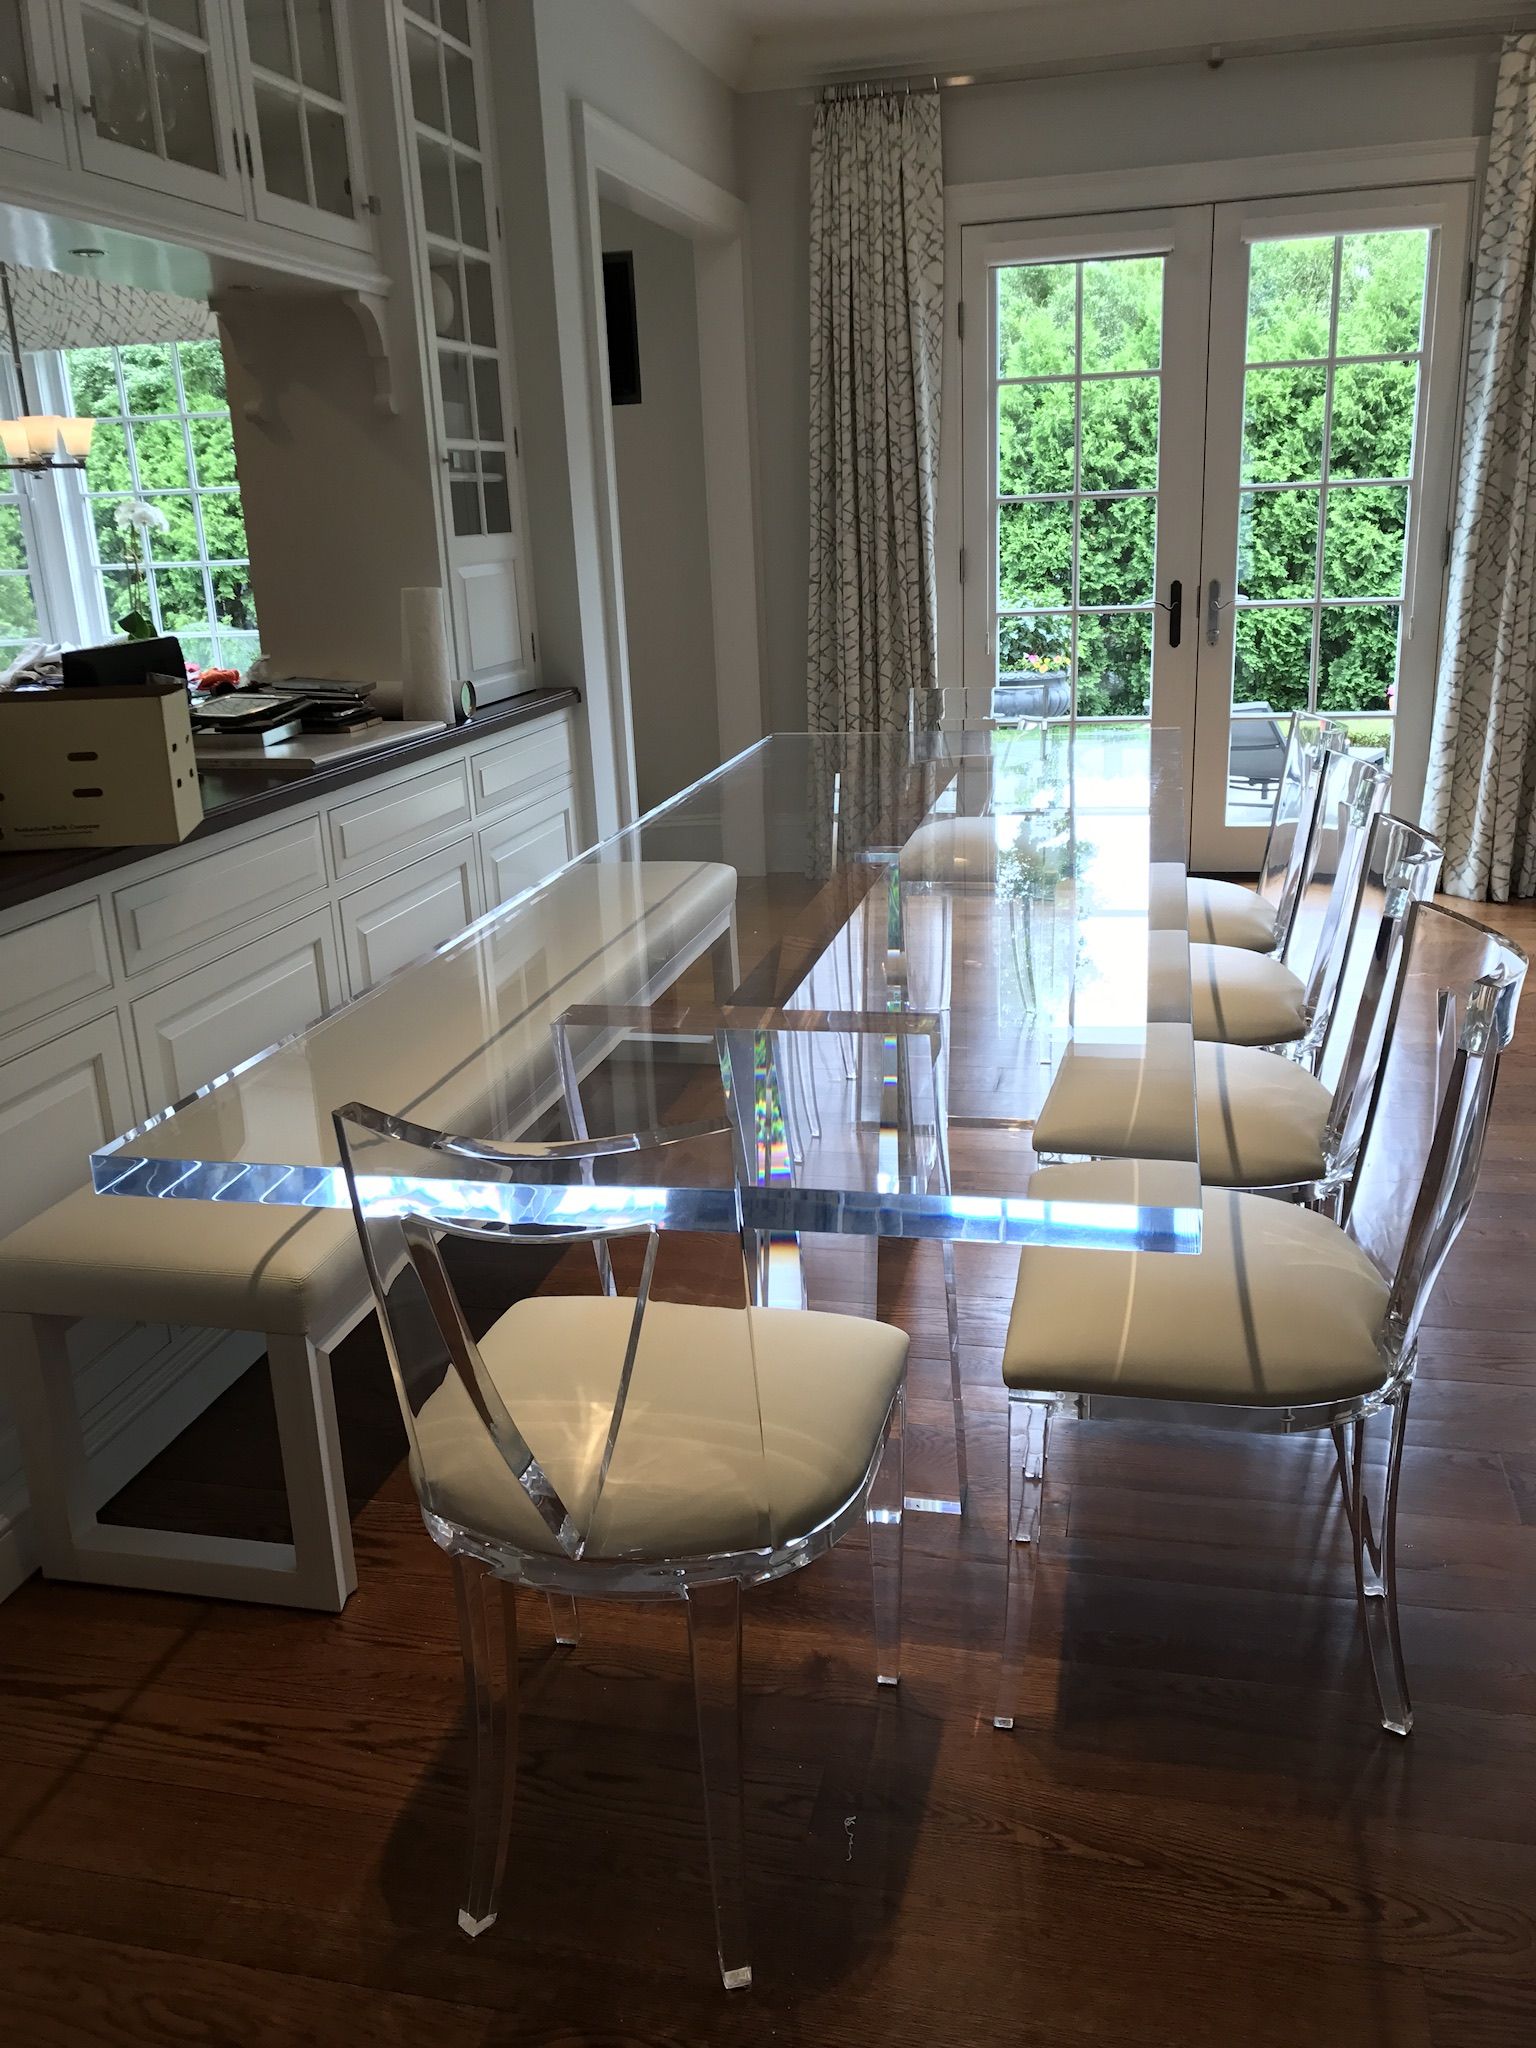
877 333
1481 790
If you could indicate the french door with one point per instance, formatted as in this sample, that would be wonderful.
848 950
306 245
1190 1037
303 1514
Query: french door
1207 459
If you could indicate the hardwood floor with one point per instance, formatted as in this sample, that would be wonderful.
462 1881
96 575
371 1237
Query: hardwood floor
239 1825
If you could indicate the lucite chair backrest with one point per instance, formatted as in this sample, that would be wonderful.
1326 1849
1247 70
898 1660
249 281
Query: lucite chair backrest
1307 747
1351 794
1451 1017
412 1189
1402 867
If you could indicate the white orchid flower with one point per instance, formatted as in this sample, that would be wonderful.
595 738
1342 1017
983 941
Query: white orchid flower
146 518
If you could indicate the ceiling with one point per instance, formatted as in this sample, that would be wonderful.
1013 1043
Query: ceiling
763 44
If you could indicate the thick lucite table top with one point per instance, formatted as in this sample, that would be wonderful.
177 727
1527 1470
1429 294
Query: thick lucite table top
889 944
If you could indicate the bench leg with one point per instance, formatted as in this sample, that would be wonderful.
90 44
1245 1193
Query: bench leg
315 1570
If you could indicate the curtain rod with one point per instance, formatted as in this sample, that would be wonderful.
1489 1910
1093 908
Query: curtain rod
1212 55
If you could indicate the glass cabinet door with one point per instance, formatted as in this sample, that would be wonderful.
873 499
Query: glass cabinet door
461 240
300 117
152 83
31 93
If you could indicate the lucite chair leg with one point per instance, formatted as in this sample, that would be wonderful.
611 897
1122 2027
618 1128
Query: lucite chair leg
488 1634
1029 1428
564 1619
1373 1530
887 1540
714 1641
956 1389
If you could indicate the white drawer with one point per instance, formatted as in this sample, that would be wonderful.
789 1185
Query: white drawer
390 822
522 850
56 1106
406 914
526 765
200 899
48 965
208 1021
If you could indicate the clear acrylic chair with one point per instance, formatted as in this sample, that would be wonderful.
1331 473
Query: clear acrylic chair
1259 919
617 1446
1286 1320
1240 997
1266 1123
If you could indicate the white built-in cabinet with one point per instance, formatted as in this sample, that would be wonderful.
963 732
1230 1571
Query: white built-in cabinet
245 106
461 270
120 995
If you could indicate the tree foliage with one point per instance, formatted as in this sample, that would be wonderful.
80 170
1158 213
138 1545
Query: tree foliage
1359 295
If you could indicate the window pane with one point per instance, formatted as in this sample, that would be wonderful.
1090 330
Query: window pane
224 526
1290 289
162 455
453 383
1357 657
232 597
238 650
266 28
1034 438
1034 555
183 601
426 85
107 464
178 541
1381 292
147 378
498 505
1283 425
1116 550
1277 543
436 161
202 375
487 400
1120 422
213 448
1031 647
1363 546
1274 658
18 614
1114 665
1036 319
186 105
114 58
1373 412
278 121
464 491
328 161
460 76
472 205
13 548
482 316
92 380
15 80
1123 313
317 46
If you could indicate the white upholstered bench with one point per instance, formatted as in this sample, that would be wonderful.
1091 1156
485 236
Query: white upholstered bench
291 1281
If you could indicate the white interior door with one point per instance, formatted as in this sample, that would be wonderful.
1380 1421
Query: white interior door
1083 424
1335 360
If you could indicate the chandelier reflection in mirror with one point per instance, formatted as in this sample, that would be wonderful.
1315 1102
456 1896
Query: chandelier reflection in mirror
37 441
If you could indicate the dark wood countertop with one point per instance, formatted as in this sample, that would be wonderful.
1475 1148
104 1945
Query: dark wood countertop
236 799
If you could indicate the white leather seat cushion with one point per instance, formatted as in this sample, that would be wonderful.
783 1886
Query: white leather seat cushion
219 1265
952 853
689 1464
1260 1118
1279 1305
1227 914
1242 998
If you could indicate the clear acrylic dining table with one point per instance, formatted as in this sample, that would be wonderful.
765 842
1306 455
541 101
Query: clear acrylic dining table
875 951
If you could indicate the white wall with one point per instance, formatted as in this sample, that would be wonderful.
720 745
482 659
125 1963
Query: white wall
1124 120
664 519
547 56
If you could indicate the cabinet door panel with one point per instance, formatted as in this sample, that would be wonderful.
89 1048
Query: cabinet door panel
300 112
405 915
523 850
210 1020
56 1105
48 965
152 94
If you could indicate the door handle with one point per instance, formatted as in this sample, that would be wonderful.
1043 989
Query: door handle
1175 610
1213 611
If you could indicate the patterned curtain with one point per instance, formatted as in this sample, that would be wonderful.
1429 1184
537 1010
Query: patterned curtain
877 326
1481 792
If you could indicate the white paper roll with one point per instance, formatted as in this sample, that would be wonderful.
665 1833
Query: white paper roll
426 684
